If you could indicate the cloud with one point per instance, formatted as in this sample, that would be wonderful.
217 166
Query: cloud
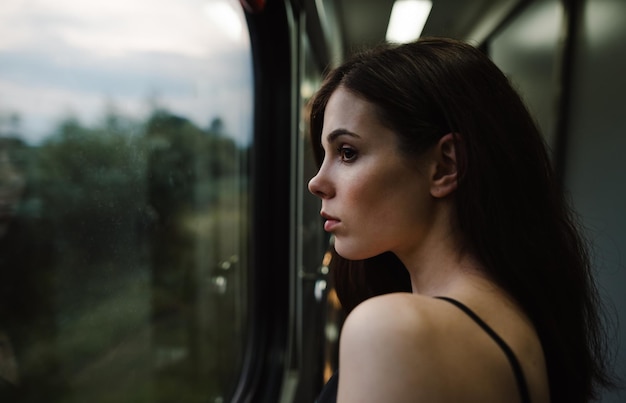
70 55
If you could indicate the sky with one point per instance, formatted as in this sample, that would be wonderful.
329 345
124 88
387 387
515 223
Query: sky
62 58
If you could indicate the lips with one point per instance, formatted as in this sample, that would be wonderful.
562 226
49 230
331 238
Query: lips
331 222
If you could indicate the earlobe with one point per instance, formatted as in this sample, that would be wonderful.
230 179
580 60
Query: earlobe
444 178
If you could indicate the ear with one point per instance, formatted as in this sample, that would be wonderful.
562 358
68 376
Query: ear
444 167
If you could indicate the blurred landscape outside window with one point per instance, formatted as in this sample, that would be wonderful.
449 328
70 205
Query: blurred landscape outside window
125 141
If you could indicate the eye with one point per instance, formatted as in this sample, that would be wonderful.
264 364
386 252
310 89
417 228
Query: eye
347 153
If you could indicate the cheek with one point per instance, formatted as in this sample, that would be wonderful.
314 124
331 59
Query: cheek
361 190
392 200
375 196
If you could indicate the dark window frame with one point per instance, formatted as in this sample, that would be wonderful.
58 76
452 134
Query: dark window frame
262 373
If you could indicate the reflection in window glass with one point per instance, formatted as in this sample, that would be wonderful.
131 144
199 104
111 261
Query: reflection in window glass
125 134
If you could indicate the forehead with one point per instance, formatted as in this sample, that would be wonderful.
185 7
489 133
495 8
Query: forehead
346 111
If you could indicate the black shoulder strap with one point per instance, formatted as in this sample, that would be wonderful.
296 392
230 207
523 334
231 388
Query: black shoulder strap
517 369
329 392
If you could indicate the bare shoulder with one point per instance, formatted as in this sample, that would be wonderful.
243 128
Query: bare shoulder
391 349
407 348
391 317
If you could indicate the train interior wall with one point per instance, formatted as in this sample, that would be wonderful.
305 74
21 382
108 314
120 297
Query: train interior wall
595 174
589 89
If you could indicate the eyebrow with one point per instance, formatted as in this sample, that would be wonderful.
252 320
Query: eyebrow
332 136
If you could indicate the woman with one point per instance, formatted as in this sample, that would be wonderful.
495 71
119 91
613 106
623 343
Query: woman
431 166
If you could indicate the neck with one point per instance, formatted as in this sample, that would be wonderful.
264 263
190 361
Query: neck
437 264
444 275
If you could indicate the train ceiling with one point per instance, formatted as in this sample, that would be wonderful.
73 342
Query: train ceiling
365 21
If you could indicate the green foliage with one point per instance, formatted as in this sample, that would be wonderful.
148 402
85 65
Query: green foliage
92 183
137 208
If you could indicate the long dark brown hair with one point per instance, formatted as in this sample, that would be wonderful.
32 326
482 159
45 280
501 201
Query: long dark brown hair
511 211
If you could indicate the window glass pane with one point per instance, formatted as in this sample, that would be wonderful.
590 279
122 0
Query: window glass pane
313 277
125 137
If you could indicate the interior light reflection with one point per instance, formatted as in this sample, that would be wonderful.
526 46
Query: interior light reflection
407 20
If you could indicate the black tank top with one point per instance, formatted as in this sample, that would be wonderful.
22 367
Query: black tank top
329 392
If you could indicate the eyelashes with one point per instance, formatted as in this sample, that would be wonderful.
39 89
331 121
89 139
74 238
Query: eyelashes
347 154
341 152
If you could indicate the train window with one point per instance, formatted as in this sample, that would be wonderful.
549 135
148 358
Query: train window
125 141
314 242
527 50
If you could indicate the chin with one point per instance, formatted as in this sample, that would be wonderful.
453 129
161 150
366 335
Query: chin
352 252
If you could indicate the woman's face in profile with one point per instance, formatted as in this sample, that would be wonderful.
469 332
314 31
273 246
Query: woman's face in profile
374 198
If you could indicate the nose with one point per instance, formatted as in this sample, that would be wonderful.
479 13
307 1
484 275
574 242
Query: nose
320 186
